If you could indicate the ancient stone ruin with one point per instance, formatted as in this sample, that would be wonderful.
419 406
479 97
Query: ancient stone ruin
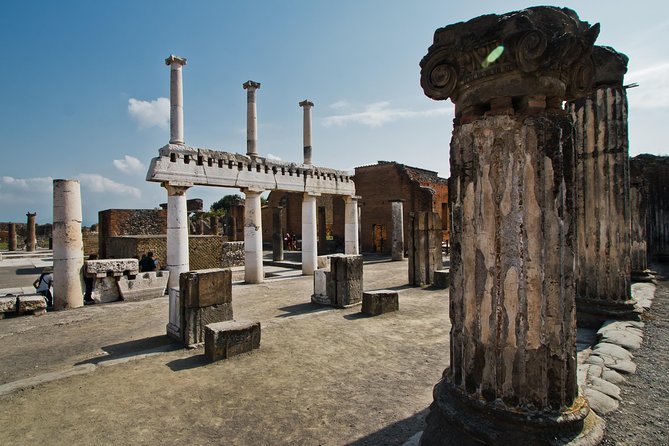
512 375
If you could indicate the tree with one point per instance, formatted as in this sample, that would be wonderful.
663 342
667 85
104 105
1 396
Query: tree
222 206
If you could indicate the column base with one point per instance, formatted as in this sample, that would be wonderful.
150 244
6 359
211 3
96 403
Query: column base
174 332
455 419
592 313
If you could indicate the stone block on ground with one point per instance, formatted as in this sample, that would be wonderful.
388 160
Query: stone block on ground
105 290
321 278
111 267
144 286
344 289
206 287
226 339
32 304
379 302
442 278
194 321
7 306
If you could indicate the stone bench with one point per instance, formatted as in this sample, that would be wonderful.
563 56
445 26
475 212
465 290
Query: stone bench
442 278
34 304
144 286
379 302
225 339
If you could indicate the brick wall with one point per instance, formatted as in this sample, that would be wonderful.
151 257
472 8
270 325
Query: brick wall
121 222
90 243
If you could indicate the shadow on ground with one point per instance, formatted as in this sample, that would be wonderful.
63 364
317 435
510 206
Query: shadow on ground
188 363
396 433
135 347
29 271
303 308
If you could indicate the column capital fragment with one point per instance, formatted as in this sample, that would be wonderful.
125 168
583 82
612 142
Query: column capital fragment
306 103
610 66
539 51
251 85
172 59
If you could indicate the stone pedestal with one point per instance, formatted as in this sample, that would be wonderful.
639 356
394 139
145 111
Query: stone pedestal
397 238
206 298
226 339
12 237
68 245
176 99
177 251
603 267
424 247
31 238
512 374
351 226
277 234
309 248
344 287
253 269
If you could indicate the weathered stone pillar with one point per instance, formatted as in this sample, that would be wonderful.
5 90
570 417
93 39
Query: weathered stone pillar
277 233
351 225
176 99
309 248
655 172
253 269
31 238
199 225
397 219
603 268
213 222
12 237
512 374
638 217
306 132
177 251
321 225
424 248
251 118
68 245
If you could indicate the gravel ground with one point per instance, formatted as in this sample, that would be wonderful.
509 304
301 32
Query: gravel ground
641 417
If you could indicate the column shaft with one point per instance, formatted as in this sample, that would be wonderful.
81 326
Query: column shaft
251 118
351 222
31 238
398 230
638 217
253 268
309 249
277 233
12 237
177 251
176 99
68 245
306 130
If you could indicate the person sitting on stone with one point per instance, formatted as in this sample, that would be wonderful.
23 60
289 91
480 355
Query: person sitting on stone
44 284
148 263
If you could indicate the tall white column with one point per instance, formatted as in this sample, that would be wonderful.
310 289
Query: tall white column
306 132
68 245
177 251
253 269
398 230
251 118
176 99
351 226
309 248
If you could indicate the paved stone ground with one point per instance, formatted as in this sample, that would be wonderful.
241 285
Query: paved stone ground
641 418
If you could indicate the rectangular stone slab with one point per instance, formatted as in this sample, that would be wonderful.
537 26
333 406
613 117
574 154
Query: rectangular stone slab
32 304
226 339
110 267
144 286
379 302
206 287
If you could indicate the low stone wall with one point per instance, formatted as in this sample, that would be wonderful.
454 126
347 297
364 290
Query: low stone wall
232 254
90 243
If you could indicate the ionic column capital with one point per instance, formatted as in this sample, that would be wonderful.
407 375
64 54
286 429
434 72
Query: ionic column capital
175 189
306 104
251 85
175 61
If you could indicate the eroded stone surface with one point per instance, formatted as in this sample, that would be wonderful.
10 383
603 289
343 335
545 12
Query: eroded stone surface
7 305
379 302
111 267
144 286
105 290
32 304
600 402
226 339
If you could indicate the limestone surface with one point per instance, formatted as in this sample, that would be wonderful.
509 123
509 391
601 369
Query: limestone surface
32 304
147 285
111 267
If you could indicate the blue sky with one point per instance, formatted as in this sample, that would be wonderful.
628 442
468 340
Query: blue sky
84 86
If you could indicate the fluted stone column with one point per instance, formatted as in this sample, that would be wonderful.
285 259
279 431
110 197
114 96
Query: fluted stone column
251 118
176 99
309 248
351 222
603 265
12 237
397 219
68 245
277 233
306 132
177 251
638 217
253 269
512 374
31 238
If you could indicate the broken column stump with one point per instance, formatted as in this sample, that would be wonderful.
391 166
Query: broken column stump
424 247
225 339
205 297
344 288
512 374
378 302
639 221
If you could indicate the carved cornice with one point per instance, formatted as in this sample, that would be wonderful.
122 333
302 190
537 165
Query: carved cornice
610 66
539 51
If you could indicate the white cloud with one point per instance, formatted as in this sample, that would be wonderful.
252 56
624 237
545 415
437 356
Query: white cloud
98 183
38 184
379 113
339 105
273 157
653 89
150 113
129 164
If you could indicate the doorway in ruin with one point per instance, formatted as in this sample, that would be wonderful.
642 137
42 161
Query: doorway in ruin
379 236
